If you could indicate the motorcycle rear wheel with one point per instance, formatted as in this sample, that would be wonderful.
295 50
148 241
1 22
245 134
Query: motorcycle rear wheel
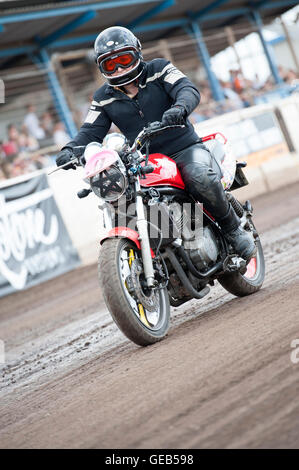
245 284
141 326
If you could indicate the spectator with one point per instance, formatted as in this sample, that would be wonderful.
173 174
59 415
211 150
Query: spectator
197 116
232 96
282 71
32 123
11 146
291 77
3 176
246 99
60 136
22 142
47 123
19 167
27 143
237 81
257 84
4 164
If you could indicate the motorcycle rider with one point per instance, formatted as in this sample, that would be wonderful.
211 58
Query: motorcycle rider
137 93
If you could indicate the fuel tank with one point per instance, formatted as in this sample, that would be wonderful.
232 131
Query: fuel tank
166 172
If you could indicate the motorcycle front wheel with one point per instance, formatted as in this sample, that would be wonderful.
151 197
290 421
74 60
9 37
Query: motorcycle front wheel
140 313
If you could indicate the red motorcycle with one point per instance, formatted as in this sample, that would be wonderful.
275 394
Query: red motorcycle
161 247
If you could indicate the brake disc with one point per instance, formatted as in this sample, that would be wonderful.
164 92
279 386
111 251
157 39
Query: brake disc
149 302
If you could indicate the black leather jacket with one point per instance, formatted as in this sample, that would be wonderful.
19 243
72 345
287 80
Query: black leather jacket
161 85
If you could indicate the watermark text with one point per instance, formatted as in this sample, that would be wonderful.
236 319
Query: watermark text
2 352
295 352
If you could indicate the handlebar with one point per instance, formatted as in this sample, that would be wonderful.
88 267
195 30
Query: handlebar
147 169
78 153
155 128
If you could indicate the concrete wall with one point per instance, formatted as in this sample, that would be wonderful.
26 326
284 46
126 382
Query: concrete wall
289 109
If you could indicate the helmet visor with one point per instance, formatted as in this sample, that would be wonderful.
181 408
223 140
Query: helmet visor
123 59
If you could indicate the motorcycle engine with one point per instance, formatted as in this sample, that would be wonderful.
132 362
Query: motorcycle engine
206 252
200 243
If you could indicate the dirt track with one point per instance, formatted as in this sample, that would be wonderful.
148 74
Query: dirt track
222 378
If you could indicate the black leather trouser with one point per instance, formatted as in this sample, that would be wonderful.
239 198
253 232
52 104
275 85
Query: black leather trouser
202 174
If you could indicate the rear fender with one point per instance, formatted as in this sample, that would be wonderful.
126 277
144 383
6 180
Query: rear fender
124 232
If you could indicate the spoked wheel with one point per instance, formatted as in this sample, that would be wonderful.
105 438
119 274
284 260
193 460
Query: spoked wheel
249 282
142 314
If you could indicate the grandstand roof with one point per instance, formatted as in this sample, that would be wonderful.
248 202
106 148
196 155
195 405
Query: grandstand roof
26 26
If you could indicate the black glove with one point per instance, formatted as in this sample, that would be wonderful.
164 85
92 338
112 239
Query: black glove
174 115
64 156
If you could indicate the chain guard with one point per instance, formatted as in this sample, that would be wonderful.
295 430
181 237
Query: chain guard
151 302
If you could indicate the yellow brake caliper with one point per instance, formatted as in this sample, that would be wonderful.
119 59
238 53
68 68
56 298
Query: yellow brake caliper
140 306
131 257
142 315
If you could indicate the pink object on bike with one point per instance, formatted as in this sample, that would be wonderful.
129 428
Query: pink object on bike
100 161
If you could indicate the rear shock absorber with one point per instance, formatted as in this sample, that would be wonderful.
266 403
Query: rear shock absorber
236 204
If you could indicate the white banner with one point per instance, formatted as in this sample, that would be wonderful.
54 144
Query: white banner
34 243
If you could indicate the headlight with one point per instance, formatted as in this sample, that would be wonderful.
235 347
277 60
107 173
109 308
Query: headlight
110 184
114 141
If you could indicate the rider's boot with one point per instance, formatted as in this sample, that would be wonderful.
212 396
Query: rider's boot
241 240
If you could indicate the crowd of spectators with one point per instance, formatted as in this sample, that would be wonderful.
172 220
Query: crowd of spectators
239 93
27 147
31 145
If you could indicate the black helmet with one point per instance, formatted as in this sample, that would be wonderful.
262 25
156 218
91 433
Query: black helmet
110 43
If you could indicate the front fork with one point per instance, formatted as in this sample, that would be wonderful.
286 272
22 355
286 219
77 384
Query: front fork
142 227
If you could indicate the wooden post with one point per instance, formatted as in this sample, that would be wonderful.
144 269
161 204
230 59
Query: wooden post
165 49
97 77
69 96
232 42
289 41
